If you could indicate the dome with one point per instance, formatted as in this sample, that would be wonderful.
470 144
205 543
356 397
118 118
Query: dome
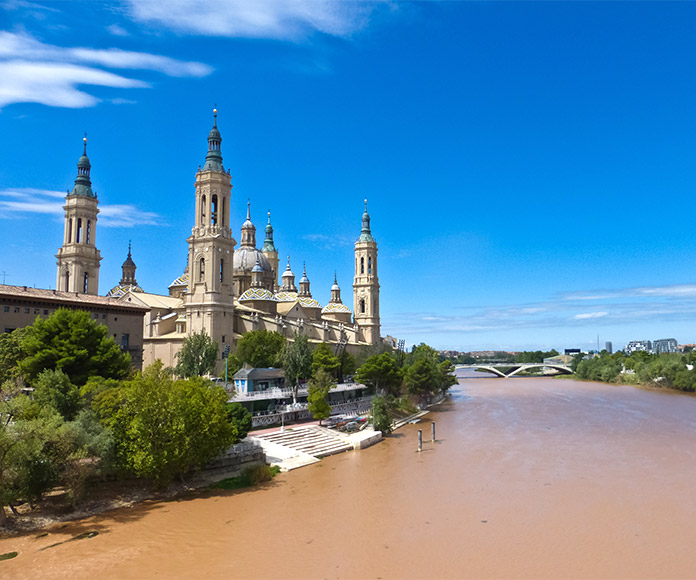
285 296
257 294
335 307
245 259
121 289
182 280
309 302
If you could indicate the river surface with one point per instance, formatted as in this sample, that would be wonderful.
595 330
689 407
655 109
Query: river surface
529 478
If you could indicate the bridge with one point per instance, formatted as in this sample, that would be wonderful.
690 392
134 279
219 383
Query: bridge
505 370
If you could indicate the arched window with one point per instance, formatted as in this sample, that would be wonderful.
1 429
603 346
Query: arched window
85 283
201 270
70 230
222 270
89 230
67 281
223 204
203 200
362 265
369 265
362 306
214 210
78 237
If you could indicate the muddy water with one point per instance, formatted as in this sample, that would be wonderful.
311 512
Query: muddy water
530 478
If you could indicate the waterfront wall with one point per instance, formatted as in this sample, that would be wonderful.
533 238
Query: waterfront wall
239 457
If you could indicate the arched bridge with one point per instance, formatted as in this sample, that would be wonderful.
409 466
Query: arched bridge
511 369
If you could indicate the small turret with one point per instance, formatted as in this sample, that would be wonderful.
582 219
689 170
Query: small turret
213 160
83 183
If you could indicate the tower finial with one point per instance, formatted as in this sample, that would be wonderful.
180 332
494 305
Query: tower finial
84 140
365 204
129 248
215 115
248 209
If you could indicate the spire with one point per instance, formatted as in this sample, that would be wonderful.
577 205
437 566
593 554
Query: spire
257 274
268 244
365 233
335 291
213 160
304 283
128 269
289 279
83 184
248 230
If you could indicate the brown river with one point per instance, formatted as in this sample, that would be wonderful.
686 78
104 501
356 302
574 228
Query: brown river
529 478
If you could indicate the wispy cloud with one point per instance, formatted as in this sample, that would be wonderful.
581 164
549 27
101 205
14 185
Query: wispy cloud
670 291
586 315
29 201
274 19
328 242
35 72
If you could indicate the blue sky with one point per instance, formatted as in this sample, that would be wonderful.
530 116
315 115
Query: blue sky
529 166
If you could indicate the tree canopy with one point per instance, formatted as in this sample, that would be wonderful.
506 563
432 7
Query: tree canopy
319 386
70 341
197 356
164 427
324 358
260 348
381 373
297 361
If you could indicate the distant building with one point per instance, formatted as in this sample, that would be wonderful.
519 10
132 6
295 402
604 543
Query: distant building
638 345
572 351
20 306
609 347
665 345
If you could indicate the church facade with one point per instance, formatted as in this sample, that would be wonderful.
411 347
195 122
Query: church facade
225 290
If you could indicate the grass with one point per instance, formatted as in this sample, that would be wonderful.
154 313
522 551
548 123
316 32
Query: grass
249 478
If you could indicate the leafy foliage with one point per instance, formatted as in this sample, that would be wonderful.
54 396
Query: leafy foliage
10 353
382 418
164 428
53 389
71 342
297 361
381 373
240 418
319 386
324 358
197 356
536 356
260 348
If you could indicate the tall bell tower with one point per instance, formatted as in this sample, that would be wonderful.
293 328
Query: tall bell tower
209 297
78 258
366 284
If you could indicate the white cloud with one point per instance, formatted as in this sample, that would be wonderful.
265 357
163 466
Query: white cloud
30 200
117 30
34 72
276 19
586 315
328 242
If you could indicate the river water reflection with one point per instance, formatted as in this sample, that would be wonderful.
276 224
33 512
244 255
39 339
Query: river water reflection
530 478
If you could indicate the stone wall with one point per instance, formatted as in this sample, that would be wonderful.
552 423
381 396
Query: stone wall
238 458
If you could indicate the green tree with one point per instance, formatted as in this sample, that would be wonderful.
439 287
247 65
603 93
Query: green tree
240 418
260 348
423 378
164 428
319 386
70 341
382 418
10 353
381 373
197 356
324 358
53 388
347 367
297 362
446 376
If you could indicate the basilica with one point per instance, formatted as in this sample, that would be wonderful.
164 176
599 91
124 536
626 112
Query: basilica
225 290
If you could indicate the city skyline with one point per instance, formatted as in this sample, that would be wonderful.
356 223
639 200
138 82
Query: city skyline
528 166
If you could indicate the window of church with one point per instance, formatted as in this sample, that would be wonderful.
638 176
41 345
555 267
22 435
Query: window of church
203 210
362 265
85 283
214 210
67 281
70 230
78 237
369 265
222 212
201 270
89 230
362 306
222 270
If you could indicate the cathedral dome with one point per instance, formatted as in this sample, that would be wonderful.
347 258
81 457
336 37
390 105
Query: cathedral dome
245 259
308 302
286 296
335 307
253 294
